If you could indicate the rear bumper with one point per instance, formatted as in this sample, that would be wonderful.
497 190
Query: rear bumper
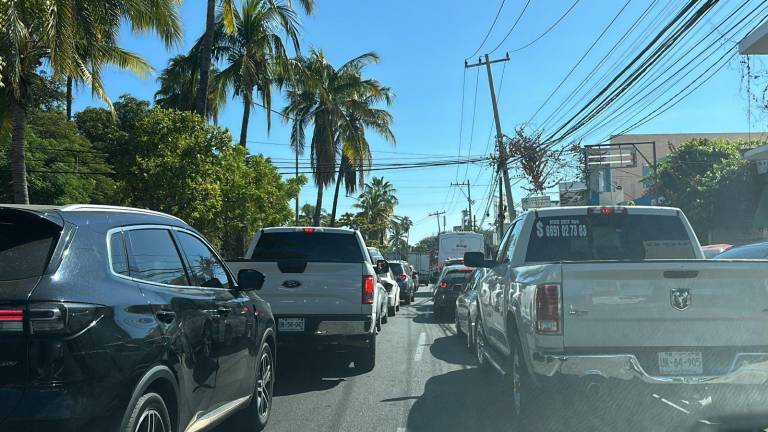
327 329
746 369
68 407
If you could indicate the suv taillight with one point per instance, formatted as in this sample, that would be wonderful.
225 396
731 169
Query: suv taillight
403 277
11 320
443 284
368 285
548 309
61 318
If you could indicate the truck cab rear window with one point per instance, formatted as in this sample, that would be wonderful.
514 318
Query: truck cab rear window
608 237
310 247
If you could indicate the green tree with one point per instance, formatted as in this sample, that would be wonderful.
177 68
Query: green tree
427 244
377 204
228 16
399 231
37 31
63 167
178 83
710 182
255 53
339 105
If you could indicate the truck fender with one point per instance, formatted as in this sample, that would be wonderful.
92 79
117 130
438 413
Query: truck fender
514 336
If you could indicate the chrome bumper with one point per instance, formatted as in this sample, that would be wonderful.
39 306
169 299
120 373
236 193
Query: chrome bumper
627 367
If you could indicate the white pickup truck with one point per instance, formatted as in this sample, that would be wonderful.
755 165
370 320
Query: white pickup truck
321 285
604 295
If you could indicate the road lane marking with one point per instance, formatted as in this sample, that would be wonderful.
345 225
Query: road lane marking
672 404
420 347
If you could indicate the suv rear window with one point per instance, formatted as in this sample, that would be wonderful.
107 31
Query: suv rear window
397 268
455 277
310 247
26 245
609 237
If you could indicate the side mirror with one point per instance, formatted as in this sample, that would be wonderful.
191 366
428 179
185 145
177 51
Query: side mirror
477 259
382 266
249 280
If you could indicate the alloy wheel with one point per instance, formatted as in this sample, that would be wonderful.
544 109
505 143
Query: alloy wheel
264 386
150 421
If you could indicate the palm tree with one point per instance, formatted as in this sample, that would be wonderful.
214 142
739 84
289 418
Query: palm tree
255 53
399 230
338 102
377 204
31 34
228 20
178 83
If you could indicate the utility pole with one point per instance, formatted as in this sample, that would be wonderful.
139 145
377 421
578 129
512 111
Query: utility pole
487 62
297 179
437 215
469 201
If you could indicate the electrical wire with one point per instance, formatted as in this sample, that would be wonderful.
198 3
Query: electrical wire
573 68
549 29
461 116
514 25
488 33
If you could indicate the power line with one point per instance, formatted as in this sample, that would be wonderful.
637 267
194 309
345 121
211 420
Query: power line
474 115
549 29
461 116
488 33
573 69
528 2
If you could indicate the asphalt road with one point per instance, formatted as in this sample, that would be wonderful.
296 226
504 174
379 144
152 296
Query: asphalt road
425 379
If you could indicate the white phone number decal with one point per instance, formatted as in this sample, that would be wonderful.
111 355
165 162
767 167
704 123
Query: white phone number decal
556 228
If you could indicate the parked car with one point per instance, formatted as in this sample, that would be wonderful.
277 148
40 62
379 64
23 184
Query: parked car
466 307
115 318
404 277
447 289
711 251
602 295
321 284
750 251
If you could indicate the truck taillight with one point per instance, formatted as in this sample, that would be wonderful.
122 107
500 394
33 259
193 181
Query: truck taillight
403 277
11 320
368 285
548 309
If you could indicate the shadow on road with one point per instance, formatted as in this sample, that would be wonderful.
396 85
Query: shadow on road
451 349
302 372
460 401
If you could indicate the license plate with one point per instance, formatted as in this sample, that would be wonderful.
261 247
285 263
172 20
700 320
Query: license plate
681 363
290 324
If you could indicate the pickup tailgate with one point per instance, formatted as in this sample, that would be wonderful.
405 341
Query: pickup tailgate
309 288
665 304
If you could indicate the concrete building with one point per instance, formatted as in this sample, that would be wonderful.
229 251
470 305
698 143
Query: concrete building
620 172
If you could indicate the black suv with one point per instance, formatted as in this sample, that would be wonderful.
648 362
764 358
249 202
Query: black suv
118 319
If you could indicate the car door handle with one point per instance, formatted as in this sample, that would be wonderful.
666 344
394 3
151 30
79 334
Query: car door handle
166 316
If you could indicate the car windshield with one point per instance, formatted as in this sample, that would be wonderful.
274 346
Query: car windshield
307 246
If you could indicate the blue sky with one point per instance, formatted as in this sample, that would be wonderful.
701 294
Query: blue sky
423 45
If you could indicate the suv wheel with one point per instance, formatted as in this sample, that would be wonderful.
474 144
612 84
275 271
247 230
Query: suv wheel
149 414
482 362
256 415
390 311
366 360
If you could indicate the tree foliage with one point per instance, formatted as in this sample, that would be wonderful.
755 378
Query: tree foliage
710 182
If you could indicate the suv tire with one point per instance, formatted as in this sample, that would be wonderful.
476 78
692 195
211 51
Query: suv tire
256 415
366 359
149 408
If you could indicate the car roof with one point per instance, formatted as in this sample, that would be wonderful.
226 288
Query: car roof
576 210
457 267
100 214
